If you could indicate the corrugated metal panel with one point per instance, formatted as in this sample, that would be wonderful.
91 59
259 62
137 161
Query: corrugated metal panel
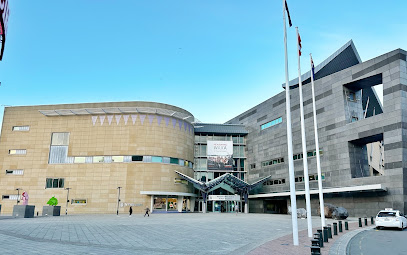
70 160
60 139
58 154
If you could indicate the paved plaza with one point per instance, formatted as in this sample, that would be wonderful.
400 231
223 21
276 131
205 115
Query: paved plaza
186 233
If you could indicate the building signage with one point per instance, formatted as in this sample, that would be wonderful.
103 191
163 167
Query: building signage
4 13
220 155
224 197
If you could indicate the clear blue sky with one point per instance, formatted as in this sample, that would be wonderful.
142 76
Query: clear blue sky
213 58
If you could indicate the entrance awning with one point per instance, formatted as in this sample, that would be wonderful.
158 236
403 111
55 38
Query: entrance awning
361 188
229 179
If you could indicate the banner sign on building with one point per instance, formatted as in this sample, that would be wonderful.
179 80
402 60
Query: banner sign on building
4 13
220 155
223 198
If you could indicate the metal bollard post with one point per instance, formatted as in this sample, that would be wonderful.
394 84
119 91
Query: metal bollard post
360 222
329 231
371 220
325 234
335 228
315 250
346 225
365 221
321 240
315 242
340 226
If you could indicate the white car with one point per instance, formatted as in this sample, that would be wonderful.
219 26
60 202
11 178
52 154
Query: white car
390 218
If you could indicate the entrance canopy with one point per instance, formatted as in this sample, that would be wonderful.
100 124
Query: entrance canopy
229 179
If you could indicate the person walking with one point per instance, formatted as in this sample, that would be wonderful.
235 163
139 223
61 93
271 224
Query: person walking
147 212
236 208
130 211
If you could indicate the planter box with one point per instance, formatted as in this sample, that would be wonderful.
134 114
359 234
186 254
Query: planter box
51 210
23 211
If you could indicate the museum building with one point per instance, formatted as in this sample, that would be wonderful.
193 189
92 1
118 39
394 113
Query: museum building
104 157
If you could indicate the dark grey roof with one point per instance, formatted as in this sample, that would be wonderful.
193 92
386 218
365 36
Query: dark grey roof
229 129
343 58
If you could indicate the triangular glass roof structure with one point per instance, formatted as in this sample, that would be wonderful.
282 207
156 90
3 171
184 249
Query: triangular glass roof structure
231 180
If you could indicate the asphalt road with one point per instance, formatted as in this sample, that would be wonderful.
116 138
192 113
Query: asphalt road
387 241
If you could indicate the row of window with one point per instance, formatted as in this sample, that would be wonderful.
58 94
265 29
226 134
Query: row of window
15 172
271 123
275 182
205 138
201 150
21 128
271 162
135 158
312 177
17 152
309 154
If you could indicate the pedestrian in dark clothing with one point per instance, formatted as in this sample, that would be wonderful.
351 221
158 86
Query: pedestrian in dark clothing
147 212
130 211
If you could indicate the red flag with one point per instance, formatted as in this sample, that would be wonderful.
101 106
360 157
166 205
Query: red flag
299 44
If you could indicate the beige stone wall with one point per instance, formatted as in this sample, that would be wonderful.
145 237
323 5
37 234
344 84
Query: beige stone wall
96 182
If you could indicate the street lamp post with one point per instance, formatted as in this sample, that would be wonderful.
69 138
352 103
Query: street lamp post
67 201
18 195
118 200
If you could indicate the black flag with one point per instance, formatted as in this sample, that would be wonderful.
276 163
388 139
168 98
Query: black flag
288 14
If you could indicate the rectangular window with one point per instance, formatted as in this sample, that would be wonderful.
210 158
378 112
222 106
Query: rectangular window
156 159
166 160
181 162
136 158
54 183
186 163
252 166
174 161
271 123
354 119
21 128
9 197
98 159
15 172
60 139
117 159
147 159
79 201
190 165
17 152
78 160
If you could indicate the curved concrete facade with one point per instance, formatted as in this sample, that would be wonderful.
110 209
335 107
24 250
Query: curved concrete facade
95 148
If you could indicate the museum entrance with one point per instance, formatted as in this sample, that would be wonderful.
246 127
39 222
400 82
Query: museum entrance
275 206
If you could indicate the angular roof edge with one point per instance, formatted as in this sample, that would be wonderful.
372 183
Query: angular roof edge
339 53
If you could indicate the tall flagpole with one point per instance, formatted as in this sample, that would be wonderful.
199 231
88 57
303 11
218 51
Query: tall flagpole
290 141
321 194
304 145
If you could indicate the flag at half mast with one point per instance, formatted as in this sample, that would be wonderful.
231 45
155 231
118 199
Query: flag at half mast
288 14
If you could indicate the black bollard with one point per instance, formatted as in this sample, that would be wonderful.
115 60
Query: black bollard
365 221
325 234
360 222
346 225
321 240
335 228
315 250
315 242
371 220
329 231
340 226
